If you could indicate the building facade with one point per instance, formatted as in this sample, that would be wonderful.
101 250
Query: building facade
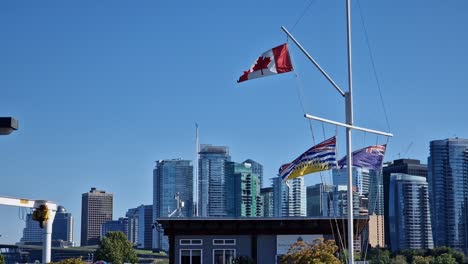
448 188
96 209
318 197
405 166
212 180
171 179
409 214
267 201
289 201
242 191
361 179
257 168
62 230
120 225
132 215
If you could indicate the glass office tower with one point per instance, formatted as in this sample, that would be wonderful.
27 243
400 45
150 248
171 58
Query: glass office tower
448 188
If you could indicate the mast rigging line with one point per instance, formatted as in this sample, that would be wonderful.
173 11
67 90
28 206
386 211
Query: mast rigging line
303 14
371 56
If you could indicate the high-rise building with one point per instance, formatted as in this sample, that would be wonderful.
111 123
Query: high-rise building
405 166
145 226
171 179
267 201
338 202
96 209
62 230
120 225
242 191
361 179
257 168
410 222
448 189
211 180
32 232
289 201
132 215
318 199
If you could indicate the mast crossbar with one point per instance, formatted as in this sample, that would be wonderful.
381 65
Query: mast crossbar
348 126
314 62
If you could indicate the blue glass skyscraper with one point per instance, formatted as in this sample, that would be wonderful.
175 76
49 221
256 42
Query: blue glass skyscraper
409 214
448 188
212 180
171 178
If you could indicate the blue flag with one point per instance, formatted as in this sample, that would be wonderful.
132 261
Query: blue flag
370 157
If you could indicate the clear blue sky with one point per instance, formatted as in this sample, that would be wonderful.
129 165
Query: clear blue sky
102 89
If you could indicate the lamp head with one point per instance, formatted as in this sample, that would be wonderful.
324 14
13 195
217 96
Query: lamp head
8 125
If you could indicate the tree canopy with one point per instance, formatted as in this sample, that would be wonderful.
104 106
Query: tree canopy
317 253
116 248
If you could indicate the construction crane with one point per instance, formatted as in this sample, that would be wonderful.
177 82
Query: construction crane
44 213
406 150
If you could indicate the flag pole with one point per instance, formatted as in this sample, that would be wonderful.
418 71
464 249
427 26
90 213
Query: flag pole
349 121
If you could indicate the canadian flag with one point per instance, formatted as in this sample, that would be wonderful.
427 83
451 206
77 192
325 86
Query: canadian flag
274 61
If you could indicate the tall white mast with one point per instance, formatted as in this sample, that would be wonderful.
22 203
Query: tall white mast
349 152
195 182
349 123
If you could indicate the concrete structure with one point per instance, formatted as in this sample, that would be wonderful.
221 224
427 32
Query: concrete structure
171 178
448 188
96 209
406 166
210 240
409 214
376 231
242 191
268 201
211 180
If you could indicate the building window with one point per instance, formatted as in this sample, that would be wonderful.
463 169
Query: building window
230 242
223 256
190 256
191 242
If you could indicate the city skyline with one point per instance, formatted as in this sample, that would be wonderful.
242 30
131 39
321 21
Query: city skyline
102 90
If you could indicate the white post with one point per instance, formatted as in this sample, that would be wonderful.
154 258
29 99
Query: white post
349 121
47 238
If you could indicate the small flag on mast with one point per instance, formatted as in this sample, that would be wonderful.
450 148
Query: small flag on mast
318 158
271 62
370 157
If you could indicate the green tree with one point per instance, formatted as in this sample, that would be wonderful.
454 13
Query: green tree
399 259
70 261
2 260
321 252
422 260
116 248
378 256
445 258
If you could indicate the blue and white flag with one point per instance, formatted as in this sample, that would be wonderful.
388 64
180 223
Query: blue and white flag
318 158
370 157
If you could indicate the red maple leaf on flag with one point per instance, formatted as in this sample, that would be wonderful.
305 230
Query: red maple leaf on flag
262 63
